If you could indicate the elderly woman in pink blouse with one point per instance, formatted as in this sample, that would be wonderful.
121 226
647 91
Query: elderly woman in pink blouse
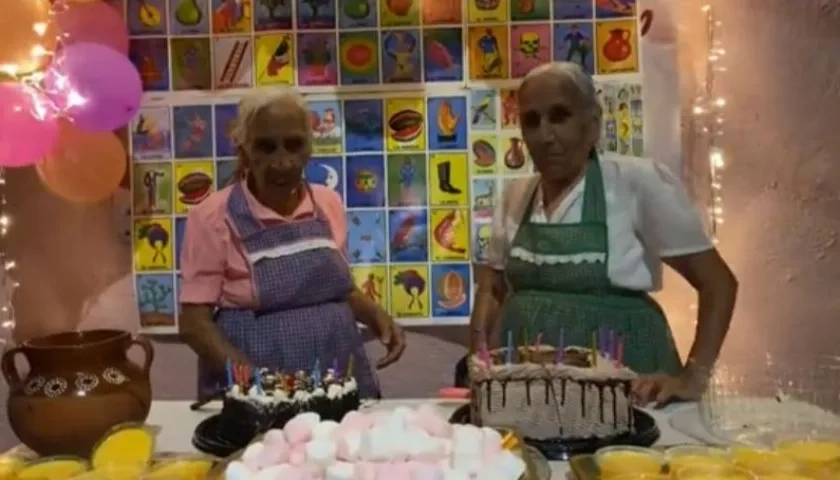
265 280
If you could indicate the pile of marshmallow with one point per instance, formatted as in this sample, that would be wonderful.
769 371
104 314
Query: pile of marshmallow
402 444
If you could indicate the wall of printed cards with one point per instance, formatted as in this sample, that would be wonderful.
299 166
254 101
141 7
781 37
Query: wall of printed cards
414 118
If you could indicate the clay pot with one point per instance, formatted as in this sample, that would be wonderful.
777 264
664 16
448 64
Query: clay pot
79 386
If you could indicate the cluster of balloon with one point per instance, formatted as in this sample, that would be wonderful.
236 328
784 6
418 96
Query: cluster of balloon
73 86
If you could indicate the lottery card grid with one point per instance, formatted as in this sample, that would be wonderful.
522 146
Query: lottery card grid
464 26
214 161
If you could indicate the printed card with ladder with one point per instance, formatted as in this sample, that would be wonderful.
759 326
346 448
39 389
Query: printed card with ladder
233 63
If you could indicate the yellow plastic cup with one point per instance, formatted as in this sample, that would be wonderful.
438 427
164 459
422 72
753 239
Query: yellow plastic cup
785 476
187 468
811 452
53 468
621 461
689 456
715 472
763 462
9 466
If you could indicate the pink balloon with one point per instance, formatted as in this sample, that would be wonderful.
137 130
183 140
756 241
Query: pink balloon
97 87
26 136
93 22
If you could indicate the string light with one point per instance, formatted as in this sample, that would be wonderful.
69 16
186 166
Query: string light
8 284
709 108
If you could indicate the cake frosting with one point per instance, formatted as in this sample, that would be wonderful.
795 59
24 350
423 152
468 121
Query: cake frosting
583 395
402 444
270 398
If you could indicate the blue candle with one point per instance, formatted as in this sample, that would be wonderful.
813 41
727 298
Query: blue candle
602 341
612 344
257 380
229 370
316 372
509 351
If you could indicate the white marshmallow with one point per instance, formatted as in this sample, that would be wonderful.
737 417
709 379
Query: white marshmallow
467 462
420 445
453 474
491 435
466 439
348 446
341 471
320 452
376 445
510 464
238 471
251 455
324 429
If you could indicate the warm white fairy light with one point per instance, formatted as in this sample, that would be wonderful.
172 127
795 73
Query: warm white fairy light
708 107
8 284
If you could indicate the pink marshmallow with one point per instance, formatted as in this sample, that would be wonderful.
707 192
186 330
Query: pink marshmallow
314 472
297 455
299 429
386 471
275 436
356 421
273 455
490 449
426 471
366 471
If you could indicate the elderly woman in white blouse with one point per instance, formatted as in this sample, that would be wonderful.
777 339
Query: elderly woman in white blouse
577 247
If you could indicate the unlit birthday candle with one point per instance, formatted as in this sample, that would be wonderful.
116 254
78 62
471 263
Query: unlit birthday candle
229 371
316 372
509 351
595 348
560 352
619 354
349 373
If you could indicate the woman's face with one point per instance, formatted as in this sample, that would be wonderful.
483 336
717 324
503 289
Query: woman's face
557 127
278 147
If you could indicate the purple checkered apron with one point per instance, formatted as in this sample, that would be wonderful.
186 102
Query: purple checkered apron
302 315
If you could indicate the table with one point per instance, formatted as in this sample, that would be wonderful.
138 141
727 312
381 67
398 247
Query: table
177 422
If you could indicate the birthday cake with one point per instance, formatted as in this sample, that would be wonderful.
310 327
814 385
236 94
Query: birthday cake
401 444
544 393
268 399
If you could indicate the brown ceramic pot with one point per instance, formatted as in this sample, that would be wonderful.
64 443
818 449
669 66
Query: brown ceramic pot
79 385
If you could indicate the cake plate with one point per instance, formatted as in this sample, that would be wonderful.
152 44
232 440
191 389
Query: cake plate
645 435
208 438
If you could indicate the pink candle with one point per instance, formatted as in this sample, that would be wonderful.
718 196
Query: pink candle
619 350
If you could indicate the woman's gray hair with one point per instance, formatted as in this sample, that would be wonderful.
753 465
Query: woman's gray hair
255 101
251 104
577 75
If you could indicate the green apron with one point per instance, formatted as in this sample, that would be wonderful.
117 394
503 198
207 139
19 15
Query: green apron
577 298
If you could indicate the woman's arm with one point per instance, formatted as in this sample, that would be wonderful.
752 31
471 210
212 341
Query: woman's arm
489 297
196 329
716 289
203 258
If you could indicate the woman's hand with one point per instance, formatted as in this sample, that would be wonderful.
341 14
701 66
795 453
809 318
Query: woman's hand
662 389
392 337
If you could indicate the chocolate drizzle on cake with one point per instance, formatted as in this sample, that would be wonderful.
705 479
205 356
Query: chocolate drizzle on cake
573 401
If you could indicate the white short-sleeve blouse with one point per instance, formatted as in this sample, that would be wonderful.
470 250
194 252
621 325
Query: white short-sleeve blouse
649 217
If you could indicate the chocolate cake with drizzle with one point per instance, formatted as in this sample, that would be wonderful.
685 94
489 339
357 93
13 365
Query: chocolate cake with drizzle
576 397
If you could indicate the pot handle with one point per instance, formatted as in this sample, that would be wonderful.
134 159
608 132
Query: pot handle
10 371
146 345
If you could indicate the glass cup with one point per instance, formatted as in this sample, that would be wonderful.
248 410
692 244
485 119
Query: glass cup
811 453
714 472
688 456
762 461
622 461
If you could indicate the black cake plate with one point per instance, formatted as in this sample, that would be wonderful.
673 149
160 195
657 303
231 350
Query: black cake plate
209 439
645 435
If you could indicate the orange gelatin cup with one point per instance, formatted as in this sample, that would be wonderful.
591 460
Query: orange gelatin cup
622 461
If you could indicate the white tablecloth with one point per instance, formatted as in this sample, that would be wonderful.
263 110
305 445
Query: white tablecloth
177 422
